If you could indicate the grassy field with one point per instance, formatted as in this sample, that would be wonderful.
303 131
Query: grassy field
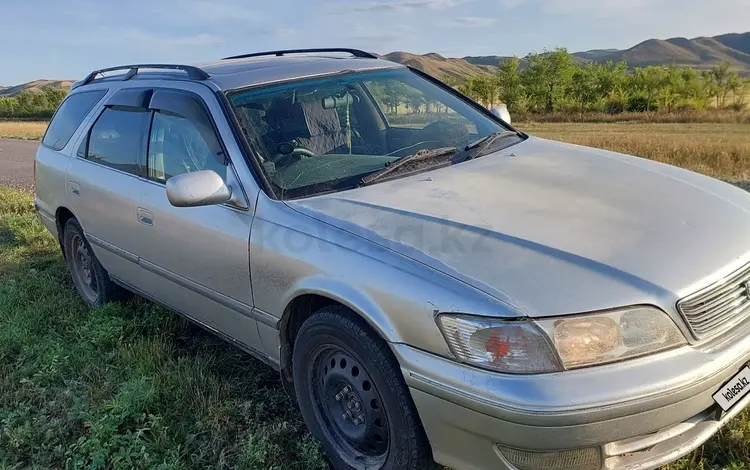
132 386
718 150
696 117
126 385
27 130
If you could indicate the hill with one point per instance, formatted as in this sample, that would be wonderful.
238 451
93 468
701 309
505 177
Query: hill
34 85
700 53
439 66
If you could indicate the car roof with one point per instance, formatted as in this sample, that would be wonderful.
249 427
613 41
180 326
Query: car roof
241 72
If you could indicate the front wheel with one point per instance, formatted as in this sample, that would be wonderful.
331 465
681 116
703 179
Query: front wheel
353 397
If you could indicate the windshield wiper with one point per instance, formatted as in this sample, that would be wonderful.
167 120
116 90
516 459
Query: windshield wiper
420 155
485 142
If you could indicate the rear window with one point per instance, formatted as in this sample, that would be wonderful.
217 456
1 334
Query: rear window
117 138
69 116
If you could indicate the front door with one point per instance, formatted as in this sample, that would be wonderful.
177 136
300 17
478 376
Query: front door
195 258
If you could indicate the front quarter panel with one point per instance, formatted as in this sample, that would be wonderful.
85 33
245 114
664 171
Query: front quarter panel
293 254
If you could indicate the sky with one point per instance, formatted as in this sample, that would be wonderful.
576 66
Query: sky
66 39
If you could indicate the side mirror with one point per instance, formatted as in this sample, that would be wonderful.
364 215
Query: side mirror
501 112
199 188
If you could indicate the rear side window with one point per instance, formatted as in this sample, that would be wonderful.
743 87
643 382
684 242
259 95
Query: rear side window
69 116
117 139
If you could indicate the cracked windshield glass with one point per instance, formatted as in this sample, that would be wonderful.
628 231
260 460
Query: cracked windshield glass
326 134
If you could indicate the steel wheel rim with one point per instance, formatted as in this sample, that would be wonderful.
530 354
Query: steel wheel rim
82 262
350 408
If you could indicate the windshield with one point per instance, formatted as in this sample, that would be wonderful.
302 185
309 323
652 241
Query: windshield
326 134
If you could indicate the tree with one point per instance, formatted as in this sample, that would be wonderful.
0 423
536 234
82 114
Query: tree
414 99
509 84
720 75
548 77
484 88
735 85
450 81
391 94
648 82
36 104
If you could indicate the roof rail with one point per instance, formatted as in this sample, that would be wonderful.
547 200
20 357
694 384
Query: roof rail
193 73
354 52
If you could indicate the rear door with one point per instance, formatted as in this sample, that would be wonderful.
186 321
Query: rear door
104 178
196 258
54 153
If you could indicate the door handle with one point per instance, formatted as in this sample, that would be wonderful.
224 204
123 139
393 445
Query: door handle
75 189
145 216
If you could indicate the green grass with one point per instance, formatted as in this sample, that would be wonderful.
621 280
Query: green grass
125 385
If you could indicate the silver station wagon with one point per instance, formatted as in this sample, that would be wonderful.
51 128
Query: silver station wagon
434 286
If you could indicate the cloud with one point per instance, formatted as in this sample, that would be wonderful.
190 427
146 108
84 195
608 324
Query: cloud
597 8
215 11
382 39
174 12
470 22
138 38
397 6
280 32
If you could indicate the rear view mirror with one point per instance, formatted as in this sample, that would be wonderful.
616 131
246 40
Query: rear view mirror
501 111
334 102
199 188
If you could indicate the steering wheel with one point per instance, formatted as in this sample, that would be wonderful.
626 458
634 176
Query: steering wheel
303 152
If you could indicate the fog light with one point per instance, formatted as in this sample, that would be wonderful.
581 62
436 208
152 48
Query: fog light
588 458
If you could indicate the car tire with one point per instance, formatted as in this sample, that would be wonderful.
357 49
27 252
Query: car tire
89 277
353 397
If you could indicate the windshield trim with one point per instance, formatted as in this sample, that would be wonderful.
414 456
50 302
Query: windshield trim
252 155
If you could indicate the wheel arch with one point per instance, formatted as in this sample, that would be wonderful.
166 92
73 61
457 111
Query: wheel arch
62 215
305 300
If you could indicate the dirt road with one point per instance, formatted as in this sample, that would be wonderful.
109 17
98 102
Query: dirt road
16 163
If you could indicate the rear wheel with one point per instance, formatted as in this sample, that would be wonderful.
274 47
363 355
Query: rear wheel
353 397
90 278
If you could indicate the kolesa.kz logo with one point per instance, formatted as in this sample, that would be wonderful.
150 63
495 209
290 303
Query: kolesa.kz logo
734 391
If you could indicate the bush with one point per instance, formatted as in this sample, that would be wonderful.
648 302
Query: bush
615 104
32 104
737 106
687 107
552 81
638 104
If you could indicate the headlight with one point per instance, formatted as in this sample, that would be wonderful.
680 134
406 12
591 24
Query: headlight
555 344
508 346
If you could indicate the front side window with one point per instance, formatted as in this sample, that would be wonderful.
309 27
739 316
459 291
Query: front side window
117 139
326 134
176 146
70 115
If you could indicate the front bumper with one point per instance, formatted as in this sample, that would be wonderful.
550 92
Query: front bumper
640 414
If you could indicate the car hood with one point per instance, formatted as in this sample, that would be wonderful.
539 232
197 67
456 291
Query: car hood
552 228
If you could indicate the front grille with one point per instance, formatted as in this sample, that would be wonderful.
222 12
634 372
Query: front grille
719 306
